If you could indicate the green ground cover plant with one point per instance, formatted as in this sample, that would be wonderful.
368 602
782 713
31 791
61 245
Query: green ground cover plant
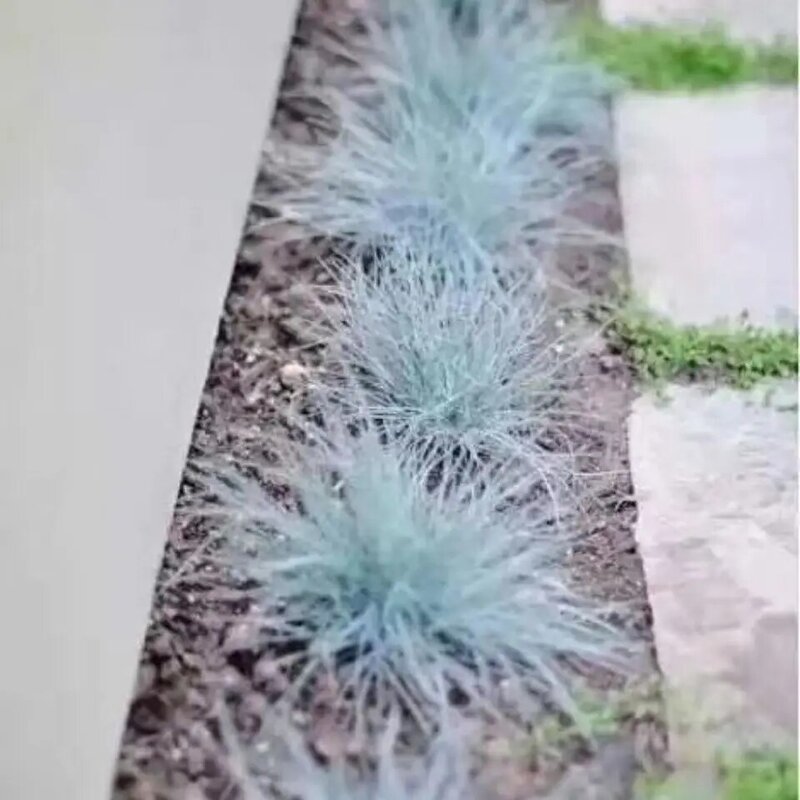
598 717
661 350
657 58
758 775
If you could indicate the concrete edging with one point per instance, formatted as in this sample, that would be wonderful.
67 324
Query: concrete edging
130 140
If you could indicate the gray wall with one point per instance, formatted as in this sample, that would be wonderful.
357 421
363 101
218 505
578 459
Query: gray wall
129 134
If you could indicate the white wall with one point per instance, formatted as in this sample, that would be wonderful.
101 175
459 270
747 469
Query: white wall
129 134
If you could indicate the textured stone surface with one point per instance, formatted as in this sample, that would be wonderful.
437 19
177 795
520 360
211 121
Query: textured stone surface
765 20
708 186
716 482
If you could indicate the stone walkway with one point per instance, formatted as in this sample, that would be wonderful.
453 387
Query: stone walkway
708 184
716 482
708 189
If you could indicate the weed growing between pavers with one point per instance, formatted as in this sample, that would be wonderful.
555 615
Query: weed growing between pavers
598 718
656 58
661 350
727 774
758 775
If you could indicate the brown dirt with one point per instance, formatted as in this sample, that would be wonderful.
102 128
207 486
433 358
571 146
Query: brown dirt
196 649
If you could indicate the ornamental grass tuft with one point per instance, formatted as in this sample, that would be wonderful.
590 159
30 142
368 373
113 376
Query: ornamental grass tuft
441 774
454 357
405 581
476 122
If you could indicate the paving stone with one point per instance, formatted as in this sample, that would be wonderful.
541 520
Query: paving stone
765 20
715 474
708 185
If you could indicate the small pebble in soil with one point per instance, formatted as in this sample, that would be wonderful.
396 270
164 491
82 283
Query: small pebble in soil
293 375
607 363
296 330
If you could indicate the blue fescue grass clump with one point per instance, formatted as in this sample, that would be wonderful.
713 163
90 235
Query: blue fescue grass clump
409 581
478 124
441 774
451 355
389 783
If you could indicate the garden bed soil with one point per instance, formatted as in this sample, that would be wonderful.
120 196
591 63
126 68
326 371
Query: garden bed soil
196 649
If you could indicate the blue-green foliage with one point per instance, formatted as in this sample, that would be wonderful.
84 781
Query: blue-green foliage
478 124
441 775
445 352
390 783
407 580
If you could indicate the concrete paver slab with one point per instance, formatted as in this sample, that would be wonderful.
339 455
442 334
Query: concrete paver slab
716 479
708 185
762 21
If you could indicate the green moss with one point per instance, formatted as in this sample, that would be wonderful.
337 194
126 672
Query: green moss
660 350
763 775
724 774
760 776
663 58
